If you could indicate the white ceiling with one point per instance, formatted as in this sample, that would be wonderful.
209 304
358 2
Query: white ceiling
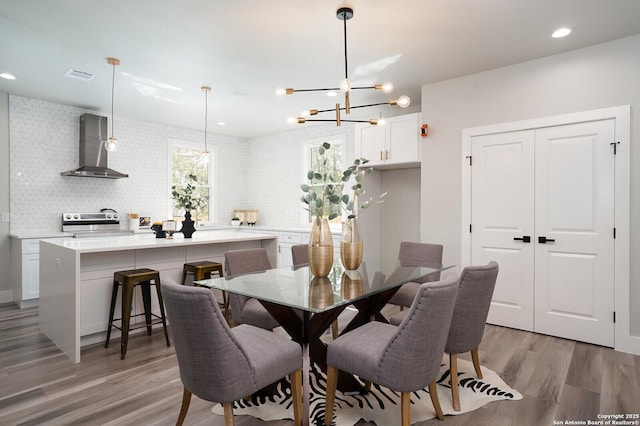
244 49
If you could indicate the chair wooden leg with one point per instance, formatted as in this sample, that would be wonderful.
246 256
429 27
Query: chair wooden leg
405 408
332 382
186 400
296 391
433 392
334 329
476 362
453 369
367 386
228 414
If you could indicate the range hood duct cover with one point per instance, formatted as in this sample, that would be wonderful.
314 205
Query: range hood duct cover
92 155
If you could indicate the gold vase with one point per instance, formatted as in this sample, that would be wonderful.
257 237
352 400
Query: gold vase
351 285
320 293
320 247
351 244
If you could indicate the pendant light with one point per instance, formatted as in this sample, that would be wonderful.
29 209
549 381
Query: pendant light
206 90
344 14
111 143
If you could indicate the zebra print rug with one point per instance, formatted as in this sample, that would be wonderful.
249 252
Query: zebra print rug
380 405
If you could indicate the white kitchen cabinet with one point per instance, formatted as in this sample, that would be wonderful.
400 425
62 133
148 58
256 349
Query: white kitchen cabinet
393 145
26 271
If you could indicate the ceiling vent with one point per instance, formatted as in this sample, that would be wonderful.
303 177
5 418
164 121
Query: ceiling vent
80 75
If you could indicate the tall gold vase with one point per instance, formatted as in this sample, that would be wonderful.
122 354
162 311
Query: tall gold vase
320 247
351 244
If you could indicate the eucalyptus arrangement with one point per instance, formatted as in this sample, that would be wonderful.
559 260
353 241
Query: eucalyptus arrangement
323 194
188 196
350 202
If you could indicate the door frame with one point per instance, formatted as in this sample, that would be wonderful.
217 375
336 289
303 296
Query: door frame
623 340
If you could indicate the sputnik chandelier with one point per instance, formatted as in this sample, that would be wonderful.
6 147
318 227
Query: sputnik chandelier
344 14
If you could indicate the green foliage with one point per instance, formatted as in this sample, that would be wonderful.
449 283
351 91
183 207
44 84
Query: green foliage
189 196
357 173
324 195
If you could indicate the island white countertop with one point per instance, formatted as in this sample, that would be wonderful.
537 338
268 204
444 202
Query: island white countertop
149 241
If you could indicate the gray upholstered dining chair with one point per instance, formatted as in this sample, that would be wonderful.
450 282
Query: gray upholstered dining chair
475 291
221 364
300 257
246 310
412 254
405 358
300 254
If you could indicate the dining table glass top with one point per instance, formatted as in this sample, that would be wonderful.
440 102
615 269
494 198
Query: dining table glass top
296 287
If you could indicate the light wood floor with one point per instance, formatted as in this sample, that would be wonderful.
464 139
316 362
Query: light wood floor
560 380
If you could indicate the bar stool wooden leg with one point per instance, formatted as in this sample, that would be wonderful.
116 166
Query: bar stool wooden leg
145 286
114 296
127 299
162 315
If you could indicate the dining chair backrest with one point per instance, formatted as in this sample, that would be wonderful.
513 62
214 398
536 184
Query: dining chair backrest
475 291
413 254
246 261
209 357
413 356
300 254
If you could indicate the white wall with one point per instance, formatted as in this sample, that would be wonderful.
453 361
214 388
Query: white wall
596 77
44 142
6 294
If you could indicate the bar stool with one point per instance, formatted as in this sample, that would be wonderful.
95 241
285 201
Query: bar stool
202 271
129 280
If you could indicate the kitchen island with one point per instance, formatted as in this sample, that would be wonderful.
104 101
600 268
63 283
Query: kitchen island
76 276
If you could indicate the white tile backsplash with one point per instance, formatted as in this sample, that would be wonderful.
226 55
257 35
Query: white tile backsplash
44 142
263 173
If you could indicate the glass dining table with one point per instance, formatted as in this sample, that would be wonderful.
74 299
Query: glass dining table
305 306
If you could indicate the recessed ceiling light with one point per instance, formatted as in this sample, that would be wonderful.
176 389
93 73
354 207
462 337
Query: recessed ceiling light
561 32
8 76
221 123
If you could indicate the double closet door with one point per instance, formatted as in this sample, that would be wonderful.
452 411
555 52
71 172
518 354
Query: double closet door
542 206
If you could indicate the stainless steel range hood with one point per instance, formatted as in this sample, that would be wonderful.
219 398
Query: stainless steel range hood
93 156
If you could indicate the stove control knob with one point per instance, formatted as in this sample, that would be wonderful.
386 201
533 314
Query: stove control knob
115 216
108 215
68 217
75 216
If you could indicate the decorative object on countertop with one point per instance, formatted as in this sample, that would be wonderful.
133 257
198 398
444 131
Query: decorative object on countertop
157 228
322 196
134 224
144 222
169 226
235 221
189 197
188 227
351 246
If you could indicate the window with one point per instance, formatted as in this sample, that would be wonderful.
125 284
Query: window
311 161
185 160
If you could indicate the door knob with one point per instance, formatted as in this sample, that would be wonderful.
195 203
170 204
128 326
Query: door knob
545 240
524 239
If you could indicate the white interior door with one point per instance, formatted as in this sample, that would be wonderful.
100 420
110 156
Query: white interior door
502 216
574 269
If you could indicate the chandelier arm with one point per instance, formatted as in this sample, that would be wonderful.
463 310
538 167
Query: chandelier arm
206 113
316 90
352 107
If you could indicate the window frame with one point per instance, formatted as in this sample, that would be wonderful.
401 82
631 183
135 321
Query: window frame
307 146
196 146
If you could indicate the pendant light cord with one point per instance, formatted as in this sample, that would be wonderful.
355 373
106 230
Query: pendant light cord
346 71
206 113
113 85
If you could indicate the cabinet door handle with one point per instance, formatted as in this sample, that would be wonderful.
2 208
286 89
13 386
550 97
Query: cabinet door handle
387 154
524 239
545 240
380 155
